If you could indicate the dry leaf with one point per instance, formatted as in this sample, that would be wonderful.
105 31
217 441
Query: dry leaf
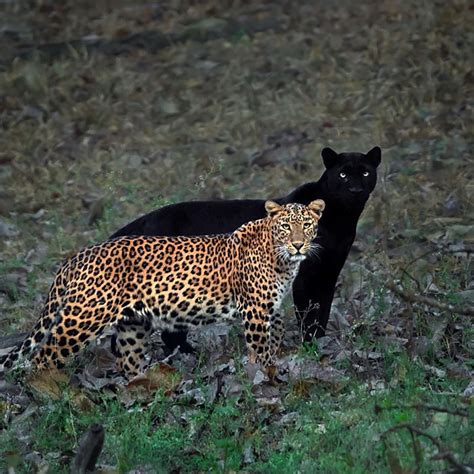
48 383
159 376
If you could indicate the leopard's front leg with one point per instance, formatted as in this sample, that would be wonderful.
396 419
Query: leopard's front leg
277 331
258 329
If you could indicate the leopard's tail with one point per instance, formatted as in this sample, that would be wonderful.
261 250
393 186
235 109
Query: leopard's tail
18 356
8 360
22 353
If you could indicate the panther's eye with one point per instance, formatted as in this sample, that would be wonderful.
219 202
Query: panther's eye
285 226
365 174
307 225
342 175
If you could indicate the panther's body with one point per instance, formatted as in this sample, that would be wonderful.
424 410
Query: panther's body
140 283
345 187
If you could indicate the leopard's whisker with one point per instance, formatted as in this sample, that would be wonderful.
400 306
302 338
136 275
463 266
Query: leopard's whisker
280 251
315 251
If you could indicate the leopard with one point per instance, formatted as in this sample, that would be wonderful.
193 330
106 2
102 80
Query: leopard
348 180
139 284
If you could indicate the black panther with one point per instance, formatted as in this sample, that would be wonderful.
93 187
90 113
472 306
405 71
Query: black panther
345 186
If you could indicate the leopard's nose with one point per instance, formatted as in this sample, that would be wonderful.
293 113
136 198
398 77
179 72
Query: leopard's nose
297 245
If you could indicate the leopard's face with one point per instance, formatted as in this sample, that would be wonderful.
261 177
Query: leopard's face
294 227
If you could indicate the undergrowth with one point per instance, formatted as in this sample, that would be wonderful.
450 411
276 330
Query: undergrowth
321 430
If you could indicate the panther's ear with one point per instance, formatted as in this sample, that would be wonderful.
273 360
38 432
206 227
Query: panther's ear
330 157
317 206
374 156
272 208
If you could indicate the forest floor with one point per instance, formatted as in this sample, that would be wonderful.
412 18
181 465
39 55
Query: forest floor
108 122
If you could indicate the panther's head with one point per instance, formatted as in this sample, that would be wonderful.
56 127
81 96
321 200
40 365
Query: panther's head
294 226
351 177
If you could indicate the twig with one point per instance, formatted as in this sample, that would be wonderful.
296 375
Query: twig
12 340
423 255
302 315
88 451
412 298
417 283
420 406
443 453
170 356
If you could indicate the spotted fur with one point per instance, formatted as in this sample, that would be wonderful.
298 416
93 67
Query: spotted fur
138 284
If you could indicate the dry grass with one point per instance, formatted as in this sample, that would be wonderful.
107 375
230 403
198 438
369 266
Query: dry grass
141 129
89 142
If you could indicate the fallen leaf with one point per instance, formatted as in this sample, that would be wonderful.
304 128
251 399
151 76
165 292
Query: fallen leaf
168 107
7 230
48 383
469 390
158 376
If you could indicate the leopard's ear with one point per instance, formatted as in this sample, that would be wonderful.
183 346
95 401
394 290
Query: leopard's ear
272 208
317 206
330 157
374 156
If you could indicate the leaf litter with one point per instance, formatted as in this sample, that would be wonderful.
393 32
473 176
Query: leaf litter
91 145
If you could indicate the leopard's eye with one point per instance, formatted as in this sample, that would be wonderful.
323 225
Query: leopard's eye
285 226
307 225
365 174
342 175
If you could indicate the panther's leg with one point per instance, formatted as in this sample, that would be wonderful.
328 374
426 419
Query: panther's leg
313 300
174 339
131 344
257 330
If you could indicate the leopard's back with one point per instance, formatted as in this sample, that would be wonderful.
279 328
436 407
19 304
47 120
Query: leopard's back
175 282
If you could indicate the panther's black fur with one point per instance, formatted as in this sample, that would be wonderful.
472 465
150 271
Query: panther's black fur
345 186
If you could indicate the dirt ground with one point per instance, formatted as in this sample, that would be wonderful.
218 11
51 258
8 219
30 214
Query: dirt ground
111 109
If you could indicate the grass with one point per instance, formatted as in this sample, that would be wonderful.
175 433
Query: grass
90 142
331 432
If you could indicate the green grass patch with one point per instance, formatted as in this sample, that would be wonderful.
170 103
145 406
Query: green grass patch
329 432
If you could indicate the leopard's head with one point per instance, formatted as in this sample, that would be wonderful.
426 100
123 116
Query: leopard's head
294 226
